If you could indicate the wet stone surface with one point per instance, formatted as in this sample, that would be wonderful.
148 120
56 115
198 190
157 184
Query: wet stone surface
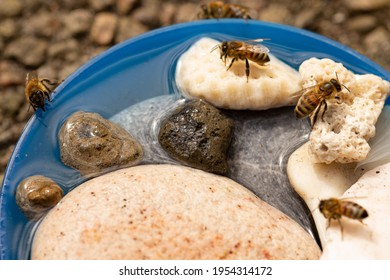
198 134
35 195
92 145
261 145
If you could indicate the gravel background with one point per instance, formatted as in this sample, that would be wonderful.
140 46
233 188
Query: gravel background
56 37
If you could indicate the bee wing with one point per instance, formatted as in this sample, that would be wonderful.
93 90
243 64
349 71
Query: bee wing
259 40
303 91
260 49
254 46
31 76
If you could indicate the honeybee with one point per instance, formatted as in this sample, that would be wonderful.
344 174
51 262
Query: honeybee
218 9
334 209
244 51
314 97
37 90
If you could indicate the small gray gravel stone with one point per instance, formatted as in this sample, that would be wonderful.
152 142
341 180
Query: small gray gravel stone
78 21
129 27
29 50
11 74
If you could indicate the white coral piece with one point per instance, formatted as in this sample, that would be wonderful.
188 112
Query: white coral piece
342 134
202 74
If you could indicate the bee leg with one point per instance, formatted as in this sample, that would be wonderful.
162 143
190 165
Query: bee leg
224 59
52 83
47 95
247 70
231 63
346 88
323 111
341 229
328 224
362 222
314 116
47 89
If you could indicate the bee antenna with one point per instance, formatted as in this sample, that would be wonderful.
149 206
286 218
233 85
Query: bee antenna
337 77
346 88
213 49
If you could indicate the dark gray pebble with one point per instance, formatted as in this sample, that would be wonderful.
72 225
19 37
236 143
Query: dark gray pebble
198 135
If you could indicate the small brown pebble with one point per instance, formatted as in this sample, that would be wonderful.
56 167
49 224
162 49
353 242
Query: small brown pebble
35 195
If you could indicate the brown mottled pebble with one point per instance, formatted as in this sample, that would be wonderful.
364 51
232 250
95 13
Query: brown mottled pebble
8 28
99 5
11 74
43 24
78 22
29 50
35 195
103 28
128 27
365 5
123 7
10 8
198 134
148 13
362 23
92 144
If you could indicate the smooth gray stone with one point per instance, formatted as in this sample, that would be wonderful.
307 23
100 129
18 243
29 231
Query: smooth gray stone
257 158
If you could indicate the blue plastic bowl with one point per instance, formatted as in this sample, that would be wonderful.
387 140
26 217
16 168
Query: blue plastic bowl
132 71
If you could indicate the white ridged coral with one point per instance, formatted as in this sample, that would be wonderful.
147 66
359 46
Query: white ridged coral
342 134
202 74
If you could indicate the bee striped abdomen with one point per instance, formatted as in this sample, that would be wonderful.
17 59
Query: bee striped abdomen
353 210
306 105
259 58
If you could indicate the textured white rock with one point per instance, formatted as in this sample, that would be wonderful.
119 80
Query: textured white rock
347 125
371 239
202 74
168 212
317 181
